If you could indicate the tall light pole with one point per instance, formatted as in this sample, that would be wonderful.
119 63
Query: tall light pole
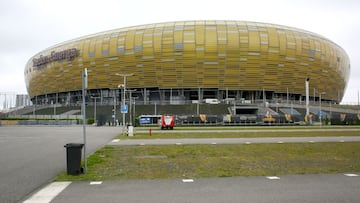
84 87
95 98
307 99
123 106
320 114
114 109
130 103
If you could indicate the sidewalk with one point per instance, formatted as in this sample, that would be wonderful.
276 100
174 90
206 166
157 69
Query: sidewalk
292 188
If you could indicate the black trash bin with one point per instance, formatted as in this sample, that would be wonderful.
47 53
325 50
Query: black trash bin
73 158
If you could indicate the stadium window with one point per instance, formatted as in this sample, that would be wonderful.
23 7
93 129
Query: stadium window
105 52
120 49
312 52
179 27
115 34
178 45
138 48
252 27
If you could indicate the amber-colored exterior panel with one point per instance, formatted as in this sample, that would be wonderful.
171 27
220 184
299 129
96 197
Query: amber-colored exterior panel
197 54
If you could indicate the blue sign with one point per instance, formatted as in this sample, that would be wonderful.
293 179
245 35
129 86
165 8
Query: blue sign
145 121
124 108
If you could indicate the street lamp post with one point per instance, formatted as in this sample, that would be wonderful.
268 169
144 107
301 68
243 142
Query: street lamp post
320 114
307 100
123 102
95 98
84 87
130 106
114 109
134 111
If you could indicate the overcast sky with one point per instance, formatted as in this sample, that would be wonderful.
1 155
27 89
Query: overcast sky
30 26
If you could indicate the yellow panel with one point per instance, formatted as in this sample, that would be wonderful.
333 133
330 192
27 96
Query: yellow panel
178 36
200 34
129 43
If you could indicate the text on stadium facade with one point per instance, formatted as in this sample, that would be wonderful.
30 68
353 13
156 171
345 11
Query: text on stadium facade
67 54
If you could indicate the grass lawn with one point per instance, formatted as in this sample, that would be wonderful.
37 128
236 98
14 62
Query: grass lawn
195 161
243 134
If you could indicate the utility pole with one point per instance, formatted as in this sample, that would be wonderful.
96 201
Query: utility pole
123 106
95 98
84 87
307 99
114 109
320 112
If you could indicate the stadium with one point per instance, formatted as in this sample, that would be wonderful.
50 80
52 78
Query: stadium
191 62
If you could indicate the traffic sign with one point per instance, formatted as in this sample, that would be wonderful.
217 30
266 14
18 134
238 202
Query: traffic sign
124 108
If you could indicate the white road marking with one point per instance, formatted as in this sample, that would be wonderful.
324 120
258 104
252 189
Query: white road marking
178 143
213 143
115 140
272 177
311 141
351 175
247 142
187 180
96 183
48 193
280 142
142 144
342 141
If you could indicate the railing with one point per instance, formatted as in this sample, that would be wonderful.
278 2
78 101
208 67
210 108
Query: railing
54 117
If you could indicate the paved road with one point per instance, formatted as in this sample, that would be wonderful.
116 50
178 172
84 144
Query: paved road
30 156
295 188
233 140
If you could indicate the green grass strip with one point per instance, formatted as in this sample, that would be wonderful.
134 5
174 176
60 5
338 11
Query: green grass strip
198 161
240 134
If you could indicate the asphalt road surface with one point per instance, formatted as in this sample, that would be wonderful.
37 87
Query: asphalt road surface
30 156
295 188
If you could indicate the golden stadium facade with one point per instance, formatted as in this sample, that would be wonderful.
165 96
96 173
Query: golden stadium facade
177 62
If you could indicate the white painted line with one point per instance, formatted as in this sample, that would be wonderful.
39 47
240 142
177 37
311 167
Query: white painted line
115 140
280 142
213 143
311 141
96 183
48 193
272 177
351 175
178 143
247 142
142 144
187 180
342 141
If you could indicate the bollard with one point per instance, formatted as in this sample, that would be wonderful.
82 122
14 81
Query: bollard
150 130
130 131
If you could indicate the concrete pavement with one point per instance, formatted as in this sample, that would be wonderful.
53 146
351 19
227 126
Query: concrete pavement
293 188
